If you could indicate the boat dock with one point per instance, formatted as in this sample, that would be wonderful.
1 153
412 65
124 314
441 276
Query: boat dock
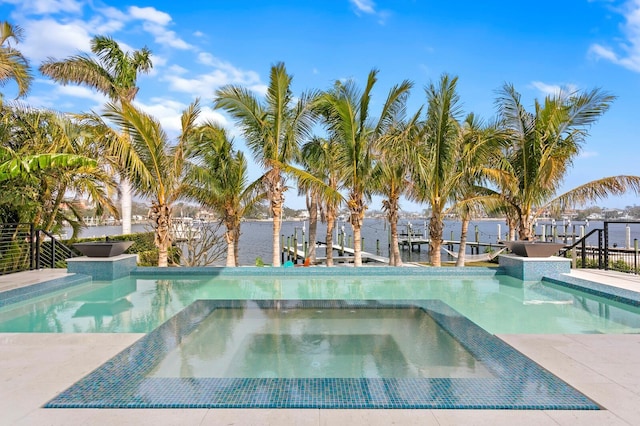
366 256
416 243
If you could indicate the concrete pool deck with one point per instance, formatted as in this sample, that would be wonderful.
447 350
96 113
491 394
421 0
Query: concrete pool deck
36 367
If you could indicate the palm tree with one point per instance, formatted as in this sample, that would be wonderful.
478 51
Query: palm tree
113 74
154 165
319 157
218 180
398 153
312 201
542 147
437 178
346 112
45 157
273 130
13 65
481 145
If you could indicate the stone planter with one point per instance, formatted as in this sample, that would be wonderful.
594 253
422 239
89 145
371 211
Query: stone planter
533 248
103 248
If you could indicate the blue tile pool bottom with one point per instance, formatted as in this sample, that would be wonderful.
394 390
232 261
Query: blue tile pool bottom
518 382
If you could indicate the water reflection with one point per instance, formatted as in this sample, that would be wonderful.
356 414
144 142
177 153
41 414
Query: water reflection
499 304
263 340
125 380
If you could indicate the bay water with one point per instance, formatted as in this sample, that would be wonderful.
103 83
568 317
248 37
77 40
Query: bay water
256 236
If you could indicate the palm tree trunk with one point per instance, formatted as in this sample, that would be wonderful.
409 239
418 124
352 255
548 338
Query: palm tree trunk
331 220
394 257
276 197
312 206
512 223
125 191
163 255
163 236
463 241
276 211
231 252
357 244
435 236
525 231
392 217
356 207
236 245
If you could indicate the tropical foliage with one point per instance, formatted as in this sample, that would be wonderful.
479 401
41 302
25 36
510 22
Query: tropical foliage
112 72
516 165
155 165
13 65
218 180
318 157
44 158
273 130
352 125
542 147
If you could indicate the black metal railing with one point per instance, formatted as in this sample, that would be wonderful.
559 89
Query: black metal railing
49 252
590 256
23 247
16 252
603 256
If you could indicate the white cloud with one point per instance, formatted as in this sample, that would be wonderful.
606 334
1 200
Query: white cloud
588 154
113 13
260 89
166 37
150 14
211 115
204 85
168 112
369 7
155 23
46 7
627 53
82 92
554 89
178 70
110 26
365 6
70 38
64 98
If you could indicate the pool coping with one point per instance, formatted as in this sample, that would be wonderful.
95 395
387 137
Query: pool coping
19 294
605 291
121 382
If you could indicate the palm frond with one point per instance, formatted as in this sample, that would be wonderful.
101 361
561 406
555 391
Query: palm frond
597 190
81 70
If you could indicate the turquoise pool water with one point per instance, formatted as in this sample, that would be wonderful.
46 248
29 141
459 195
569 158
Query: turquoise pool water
498 304
273 361
258 342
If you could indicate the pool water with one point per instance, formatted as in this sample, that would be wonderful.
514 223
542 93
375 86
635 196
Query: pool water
135 378
256 342
499 304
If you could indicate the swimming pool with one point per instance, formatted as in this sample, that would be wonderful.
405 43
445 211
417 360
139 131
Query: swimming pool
177 306
498 303
494 375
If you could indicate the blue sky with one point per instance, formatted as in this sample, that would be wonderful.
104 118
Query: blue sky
199 46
